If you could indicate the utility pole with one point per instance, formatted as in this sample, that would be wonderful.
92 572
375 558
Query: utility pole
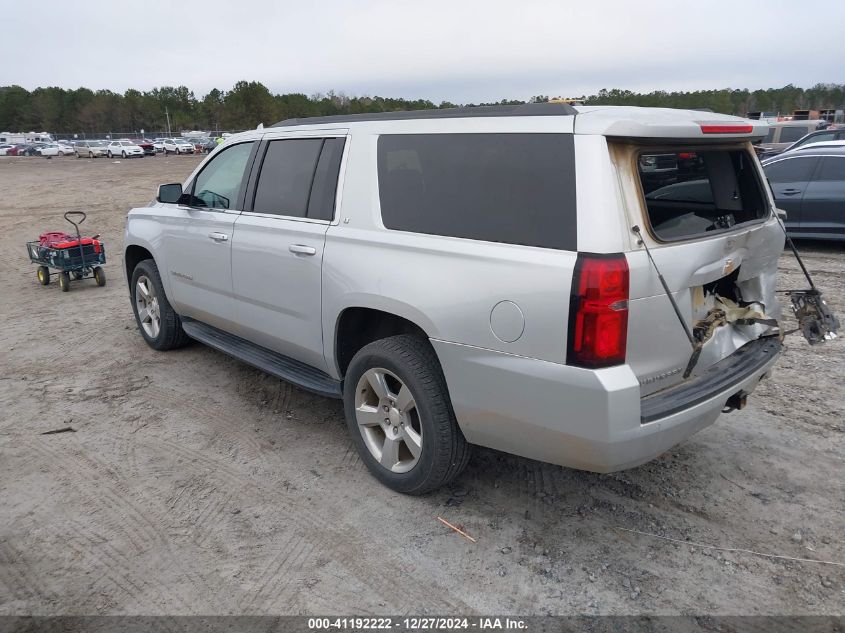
167 114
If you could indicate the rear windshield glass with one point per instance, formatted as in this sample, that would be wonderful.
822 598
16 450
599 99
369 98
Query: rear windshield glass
512 188
693 192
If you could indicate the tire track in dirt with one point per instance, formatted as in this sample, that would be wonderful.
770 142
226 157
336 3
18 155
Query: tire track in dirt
141 527
390 579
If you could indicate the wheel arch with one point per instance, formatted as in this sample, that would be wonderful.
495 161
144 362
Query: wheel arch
359 325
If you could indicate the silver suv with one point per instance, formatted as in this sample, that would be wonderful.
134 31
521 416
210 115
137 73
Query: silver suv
513 277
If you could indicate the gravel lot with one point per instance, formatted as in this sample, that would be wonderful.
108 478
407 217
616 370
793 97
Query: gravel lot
194 484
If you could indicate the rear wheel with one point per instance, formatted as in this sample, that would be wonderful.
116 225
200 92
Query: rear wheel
123 154
90 154
100 275
159 324
64 281
108 154
400 416
43 275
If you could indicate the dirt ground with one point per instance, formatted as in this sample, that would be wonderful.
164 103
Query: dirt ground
194 484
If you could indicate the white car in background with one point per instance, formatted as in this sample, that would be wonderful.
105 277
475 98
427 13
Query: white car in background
55 149
125 149
159 144
178 146
5 147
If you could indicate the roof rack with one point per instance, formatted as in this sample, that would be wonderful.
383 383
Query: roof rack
525 109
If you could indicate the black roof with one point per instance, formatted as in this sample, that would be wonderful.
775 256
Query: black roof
525 109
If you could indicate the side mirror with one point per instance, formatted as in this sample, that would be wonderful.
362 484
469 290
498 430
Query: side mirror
781 214
169 194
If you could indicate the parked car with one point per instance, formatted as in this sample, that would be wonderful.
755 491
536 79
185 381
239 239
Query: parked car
125 149
54 149
782 134
183 146
144 144
4 148
23 150
202 145
90 149
809 184
455 290
829 134
159 144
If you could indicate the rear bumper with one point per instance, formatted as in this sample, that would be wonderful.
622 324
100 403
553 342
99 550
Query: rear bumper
587 419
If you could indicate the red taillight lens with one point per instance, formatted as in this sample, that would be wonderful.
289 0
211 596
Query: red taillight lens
726 129
598 313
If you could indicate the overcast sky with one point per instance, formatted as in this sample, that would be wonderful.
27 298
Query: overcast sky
461 51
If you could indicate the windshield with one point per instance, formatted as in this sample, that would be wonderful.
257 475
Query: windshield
126 143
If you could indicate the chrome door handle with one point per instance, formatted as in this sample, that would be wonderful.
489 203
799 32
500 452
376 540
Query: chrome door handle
301 249
219 237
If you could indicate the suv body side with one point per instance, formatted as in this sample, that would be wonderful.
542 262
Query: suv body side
467 296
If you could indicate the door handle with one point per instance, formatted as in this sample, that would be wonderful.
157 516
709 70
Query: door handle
790 192
219 237
301 249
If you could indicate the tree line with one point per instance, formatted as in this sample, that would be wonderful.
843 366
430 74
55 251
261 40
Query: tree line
249 103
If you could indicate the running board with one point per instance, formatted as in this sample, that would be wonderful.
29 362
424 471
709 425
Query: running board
288 369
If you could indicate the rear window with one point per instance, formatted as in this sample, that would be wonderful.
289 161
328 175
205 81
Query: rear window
697 191
512 188
791 134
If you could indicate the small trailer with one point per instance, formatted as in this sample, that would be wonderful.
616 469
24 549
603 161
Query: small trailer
74 257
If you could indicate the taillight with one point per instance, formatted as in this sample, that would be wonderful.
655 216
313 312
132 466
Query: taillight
598 312
726 129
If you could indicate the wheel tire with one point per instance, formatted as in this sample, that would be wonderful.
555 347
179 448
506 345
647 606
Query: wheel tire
77 276
123 154
64 281
178 151
100 275
170 334
444 450
108 153
90 154
43 275
77 154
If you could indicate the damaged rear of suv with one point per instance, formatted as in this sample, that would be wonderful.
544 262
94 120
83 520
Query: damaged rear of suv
583 286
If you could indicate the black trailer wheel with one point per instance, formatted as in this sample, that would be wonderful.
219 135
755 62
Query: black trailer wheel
44 275
64 281
100 276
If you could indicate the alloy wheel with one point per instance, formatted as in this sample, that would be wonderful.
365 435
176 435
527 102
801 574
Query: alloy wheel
146 303
388 420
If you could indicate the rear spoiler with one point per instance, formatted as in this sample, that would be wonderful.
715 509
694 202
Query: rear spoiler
659 129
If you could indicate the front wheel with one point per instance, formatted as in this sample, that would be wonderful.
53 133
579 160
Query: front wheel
77 154
90 154
160 326
178 151
123 154
99 275
399 413
64 281
43 275
108 154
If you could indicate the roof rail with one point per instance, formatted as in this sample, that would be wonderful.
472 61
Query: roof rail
524 109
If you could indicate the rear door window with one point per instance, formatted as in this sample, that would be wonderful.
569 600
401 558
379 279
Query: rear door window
298 178
790 169
511 188
832 168
696 191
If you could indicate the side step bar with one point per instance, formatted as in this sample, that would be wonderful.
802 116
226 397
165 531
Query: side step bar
288 369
